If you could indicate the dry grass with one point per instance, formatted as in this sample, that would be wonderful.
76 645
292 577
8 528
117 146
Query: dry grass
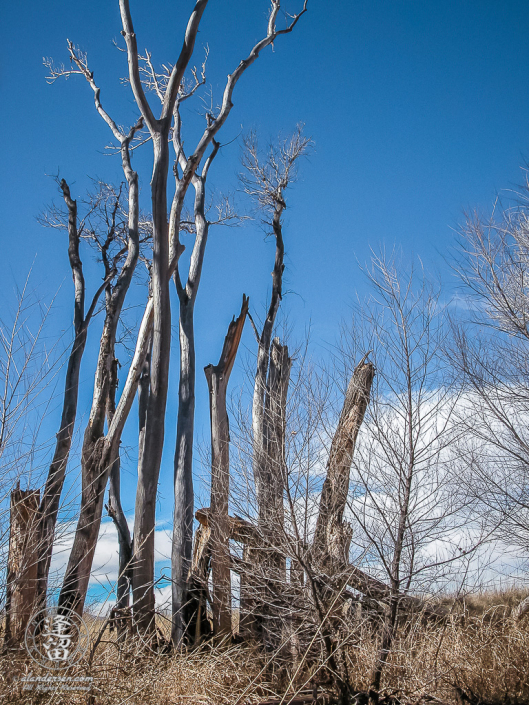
480 651
202 677
483 656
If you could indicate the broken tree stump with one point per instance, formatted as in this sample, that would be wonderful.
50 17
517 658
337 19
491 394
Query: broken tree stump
218 377
332 535
21 589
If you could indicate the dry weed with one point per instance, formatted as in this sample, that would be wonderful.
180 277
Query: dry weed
479 652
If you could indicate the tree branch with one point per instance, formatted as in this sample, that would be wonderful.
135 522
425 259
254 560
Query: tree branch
134 71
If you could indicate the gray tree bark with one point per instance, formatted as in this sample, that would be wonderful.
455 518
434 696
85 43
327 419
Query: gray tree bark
268 415
100 454
21 583
332 534
183 609
274 472
183 513
75 584
51 496
218 377
150 460
115 511
259 422
262 601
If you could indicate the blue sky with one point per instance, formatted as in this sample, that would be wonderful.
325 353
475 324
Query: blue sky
418 111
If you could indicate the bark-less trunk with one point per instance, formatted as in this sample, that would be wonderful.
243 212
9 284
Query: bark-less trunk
261 594
274 472
22 558
332 534
183 474
100 454
218 377
164 264
183 461
77 577
115 511
49 506
256 590
260 461
150 460
274 436
181 552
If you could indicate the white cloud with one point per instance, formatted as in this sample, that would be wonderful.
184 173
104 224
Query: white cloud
105 567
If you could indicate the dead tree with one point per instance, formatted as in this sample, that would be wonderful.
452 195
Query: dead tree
76 580
25 366
51 496
332 535
115 511
22 562
218 377
95 471
265 181
156 333
186 172
183 477
99 452
166 252
261 590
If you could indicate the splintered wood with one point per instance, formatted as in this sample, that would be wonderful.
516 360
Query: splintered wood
21 565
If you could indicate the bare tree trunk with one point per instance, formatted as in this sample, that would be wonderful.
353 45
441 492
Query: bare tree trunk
258 592
166 251
252 597
183 460
261 598
181 551
272 568
149 463
271 510
51 496
218 377
149 466
183 481
100 454
332 535
260 461
115 511
21 584
98 467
